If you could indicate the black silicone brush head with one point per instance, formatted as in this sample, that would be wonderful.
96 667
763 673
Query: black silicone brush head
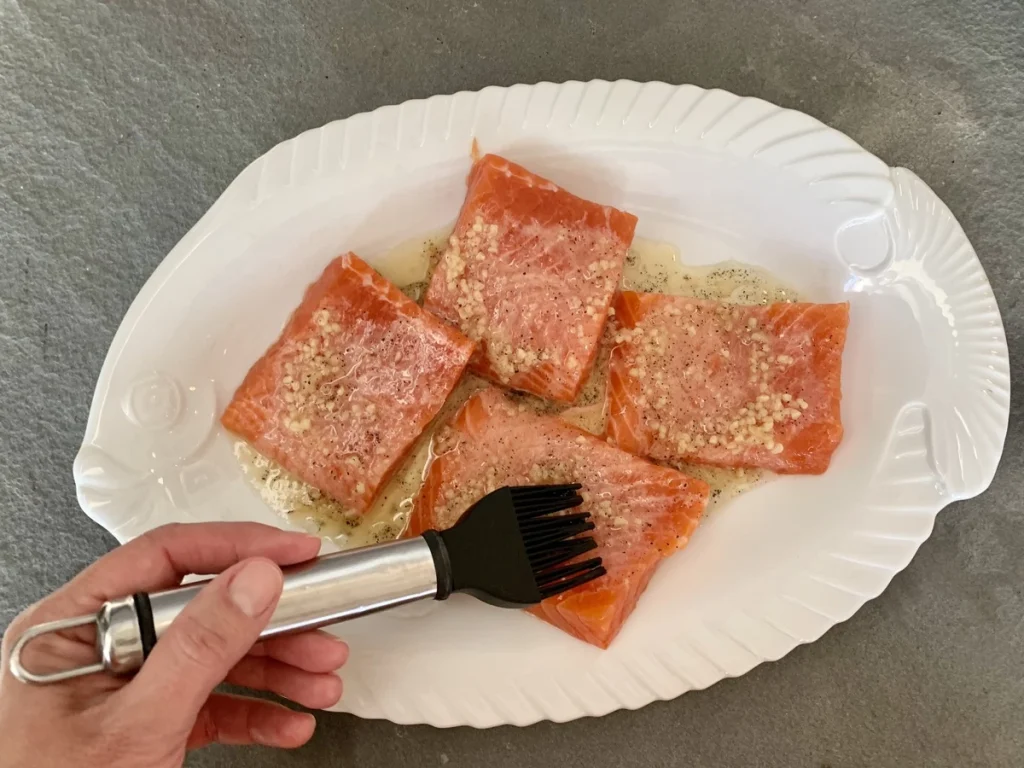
515 547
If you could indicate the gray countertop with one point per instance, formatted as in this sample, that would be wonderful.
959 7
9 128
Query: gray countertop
121 122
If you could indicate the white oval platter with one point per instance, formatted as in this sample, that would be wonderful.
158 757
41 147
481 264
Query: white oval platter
925 376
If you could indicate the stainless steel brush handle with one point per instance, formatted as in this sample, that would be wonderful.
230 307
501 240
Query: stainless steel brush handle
324 591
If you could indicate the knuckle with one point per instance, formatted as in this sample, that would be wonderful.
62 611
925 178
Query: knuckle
160 533
137 738
112 726
34 614
205 730
201 642
22 621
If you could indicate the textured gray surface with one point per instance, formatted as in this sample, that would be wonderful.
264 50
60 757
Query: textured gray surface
121 122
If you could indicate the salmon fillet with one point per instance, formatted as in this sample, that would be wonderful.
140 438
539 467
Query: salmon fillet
642 512
355 377
727 385
529 273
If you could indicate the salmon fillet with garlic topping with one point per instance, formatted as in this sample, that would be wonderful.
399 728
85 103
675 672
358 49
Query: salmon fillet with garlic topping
529 273
642 512
354 379
727 385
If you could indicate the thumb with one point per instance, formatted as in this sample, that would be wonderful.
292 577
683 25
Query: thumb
212 634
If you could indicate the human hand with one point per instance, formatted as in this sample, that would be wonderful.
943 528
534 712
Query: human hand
169 706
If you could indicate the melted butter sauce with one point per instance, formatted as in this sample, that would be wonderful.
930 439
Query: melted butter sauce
653 267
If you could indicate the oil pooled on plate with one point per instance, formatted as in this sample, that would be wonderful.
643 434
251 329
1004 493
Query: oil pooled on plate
651 266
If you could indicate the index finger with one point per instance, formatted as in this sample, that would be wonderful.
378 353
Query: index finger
160 558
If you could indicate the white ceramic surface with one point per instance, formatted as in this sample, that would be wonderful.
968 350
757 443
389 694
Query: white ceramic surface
926 376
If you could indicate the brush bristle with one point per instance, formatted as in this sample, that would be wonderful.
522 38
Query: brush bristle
553 539
558 580
539 509
547 523
544 499
531 491
517 545
537 543
562 553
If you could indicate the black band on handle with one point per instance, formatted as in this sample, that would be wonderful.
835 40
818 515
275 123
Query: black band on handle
442 564
144 612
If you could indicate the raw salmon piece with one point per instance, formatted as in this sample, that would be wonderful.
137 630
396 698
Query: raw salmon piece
727 385
643 512
529 272
355 377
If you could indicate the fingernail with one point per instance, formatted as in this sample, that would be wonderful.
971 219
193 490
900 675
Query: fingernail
303 729
292 732
255 587
310 539
302 535
344 653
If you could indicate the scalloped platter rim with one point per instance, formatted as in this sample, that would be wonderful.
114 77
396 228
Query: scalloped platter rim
926 375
